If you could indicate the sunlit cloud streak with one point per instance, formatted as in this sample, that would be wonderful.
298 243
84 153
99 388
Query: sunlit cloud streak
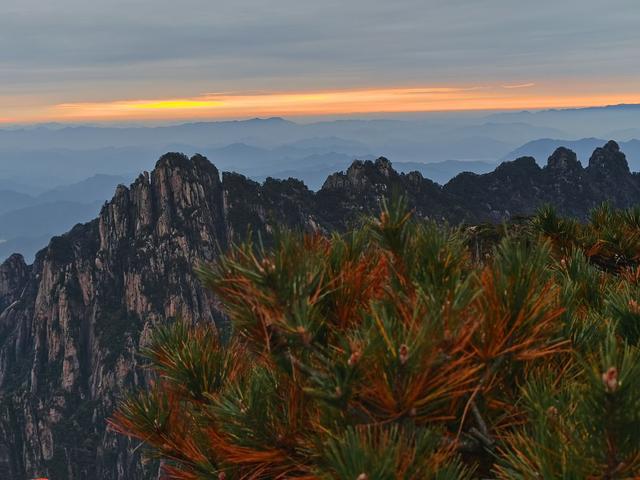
334 102
520 85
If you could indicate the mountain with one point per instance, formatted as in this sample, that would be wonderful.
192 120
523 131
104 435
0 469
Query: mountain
508 132
312 170
28 221
95 188
317 145
71 323
545 146
200 133
625 134
575 122
28 246
12 185
442 172
10 200
48 155
44 168
46 218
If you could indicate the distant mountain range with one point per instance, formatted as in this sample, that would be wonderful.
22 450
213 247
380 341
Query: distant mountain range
97 187
44 156
28 221
10 200
442 172
270 133
38 163
608 121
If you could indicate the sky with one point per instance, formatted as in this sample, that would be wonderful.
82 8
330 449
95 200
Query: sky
117 60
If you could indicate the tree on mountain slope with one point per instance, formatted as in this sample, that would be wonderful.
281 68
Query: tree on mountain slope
396 351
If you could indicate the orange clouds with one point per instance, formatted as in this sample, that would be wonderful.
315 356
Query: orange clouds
277 103
332 102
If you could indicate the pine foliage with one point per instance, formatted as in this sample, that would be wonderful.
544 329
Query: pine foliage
400 351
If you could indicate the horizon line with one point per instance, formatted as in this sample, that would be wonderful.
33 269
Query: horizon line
382 101
408 115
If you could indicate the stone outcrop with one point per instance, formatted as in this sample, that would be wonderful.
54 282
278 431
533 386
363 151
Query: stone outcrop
72 324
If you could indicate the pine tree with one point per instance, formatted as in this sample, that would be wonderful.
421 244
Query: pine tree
395 351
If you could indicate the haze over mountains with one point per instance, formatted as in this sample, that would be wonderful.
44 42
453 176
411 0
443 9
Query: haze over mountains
53 176
27 222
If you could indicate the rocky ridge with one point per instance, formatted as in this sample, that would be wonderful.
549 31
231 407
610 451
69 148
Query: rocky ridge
72 323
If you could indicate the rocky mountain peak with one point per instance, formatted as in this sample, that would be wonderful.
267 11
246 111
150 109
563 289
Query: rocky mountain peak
361 175
609 161
180 192
383 165
563 160
612 146
522 166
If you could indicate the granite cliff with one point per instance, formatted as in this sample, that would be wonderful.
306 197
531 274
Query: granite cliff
72 323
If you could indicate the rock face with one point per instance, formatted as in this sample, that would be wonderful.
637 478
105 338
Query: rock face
72 323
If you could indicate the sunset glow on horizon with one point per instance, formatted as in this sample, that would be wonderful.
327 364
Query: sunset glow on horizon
74 61
216 106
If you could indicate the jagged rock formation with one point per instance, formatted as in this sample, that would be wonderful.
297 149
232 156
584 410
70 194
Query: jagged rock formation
71 323
74 321
521 186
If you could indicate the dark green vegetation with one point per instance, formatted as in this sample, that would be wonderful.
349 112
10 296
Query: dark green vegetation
408 350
